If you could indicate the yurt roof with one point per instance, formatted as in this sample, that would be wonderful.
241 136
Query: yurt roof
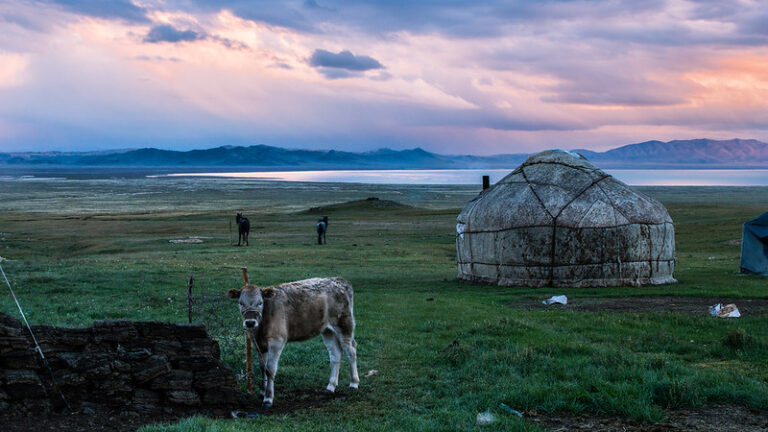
562 186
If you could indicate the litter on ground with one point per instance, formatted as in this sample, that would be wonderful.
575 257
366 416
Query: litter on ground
561 299
485 418
510 410
372 372
190 239
244 414
727 311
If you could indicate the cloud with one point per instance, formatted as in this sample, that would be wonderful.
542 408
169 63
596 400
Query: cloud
331 73
167 33
343 60
493 73
157 58
115 9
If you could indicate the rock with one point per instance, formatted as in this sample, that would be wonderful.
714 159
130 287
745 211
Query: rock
184 397
115 365
114 331
169 348
214 378
197 363
176 380
150 368
146 401
190 331
23 384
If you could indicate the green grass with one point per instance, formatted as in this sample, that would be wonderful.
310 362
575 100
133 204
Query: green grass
108 257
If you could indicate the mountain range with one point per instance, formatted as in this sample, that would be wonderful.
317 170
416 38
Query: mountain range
697 153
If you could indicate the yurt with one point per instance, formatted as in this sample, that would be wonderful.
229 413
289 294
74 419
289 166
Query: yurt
754 246
557 220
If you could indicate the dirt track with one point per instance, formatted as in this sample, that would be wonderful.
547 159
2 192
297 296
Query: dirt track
289 400
717 418
694 305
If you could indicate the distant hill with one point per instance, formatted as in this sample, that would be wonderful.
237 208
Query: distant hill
734 152
697 153
368 204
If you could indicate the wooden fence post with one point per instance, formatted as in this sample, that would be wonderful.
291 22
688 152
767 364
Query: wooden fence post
189 297
248 358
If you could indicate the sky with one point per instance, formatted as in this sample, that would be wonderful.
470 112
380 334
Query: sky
453 77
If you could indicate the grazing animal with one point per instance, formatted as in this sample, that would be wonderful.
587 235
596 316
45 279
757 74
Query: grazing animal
322 228
243 228
298 311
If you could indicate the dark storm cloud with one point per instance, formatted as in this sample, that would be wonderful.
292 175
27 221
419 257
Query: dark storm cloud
615 20
168 33
114 9
457 18
343 60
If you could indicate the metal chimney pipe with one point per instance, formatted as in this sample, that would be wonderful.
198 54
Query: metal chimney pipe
486 182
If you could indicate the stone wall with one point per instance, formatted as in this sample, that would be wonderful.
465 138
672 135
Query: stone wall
134 367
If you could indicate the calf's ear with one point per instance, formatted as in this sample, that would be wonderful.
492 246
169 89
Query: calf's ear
268 292
233 293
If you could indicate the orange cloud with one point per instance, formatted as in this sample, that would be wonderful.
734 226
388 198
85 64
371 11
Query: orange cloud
736 81
13 72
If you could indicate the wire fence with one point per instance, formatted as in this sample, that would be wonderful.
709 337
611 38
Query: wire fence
223 322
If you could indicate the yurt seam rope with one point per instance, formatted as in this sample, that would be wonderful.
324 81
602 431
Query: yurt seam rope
561 265
564 226
580 194
580 168
554 227
650 251
34 339
613 204
553 249
536 195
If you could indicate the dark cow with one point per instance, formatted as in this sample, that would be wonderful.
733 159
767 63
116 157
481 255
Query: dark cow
243 229
322 228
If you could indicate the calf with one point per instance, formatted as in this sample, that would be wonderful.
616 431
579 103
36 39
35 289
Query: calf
298 311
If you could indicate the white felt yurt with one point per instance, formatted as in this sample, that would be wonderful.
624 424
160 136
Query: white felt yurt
557 220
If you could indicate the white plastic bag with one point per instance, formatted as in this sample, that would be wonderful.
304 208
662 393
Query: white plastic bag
560 299
727 311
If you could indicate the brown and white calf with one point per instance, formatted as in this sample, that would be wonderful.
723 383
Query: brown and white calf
298 311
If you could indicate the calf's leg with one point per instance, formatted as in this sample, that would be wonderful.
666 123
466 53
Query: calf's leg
334 352
350 349
346 334
275 348
263 369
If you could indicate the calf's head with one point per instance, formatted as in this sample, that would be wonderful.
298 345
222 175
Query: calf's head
251 303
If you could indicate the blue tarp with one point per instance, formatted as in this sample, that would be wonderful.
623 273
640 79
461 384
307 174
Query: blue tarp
754 246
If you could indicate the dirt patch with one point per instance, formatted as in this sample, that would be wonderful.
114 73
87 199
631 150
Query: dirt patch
190 239
286 402
718 418
734 242
693 305
104 421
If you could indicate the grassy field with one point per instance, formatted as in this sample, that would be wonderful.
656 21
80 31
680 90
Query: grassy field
78 251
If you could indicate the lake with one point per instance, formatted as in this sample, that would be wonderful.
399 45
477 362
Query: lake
756 177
